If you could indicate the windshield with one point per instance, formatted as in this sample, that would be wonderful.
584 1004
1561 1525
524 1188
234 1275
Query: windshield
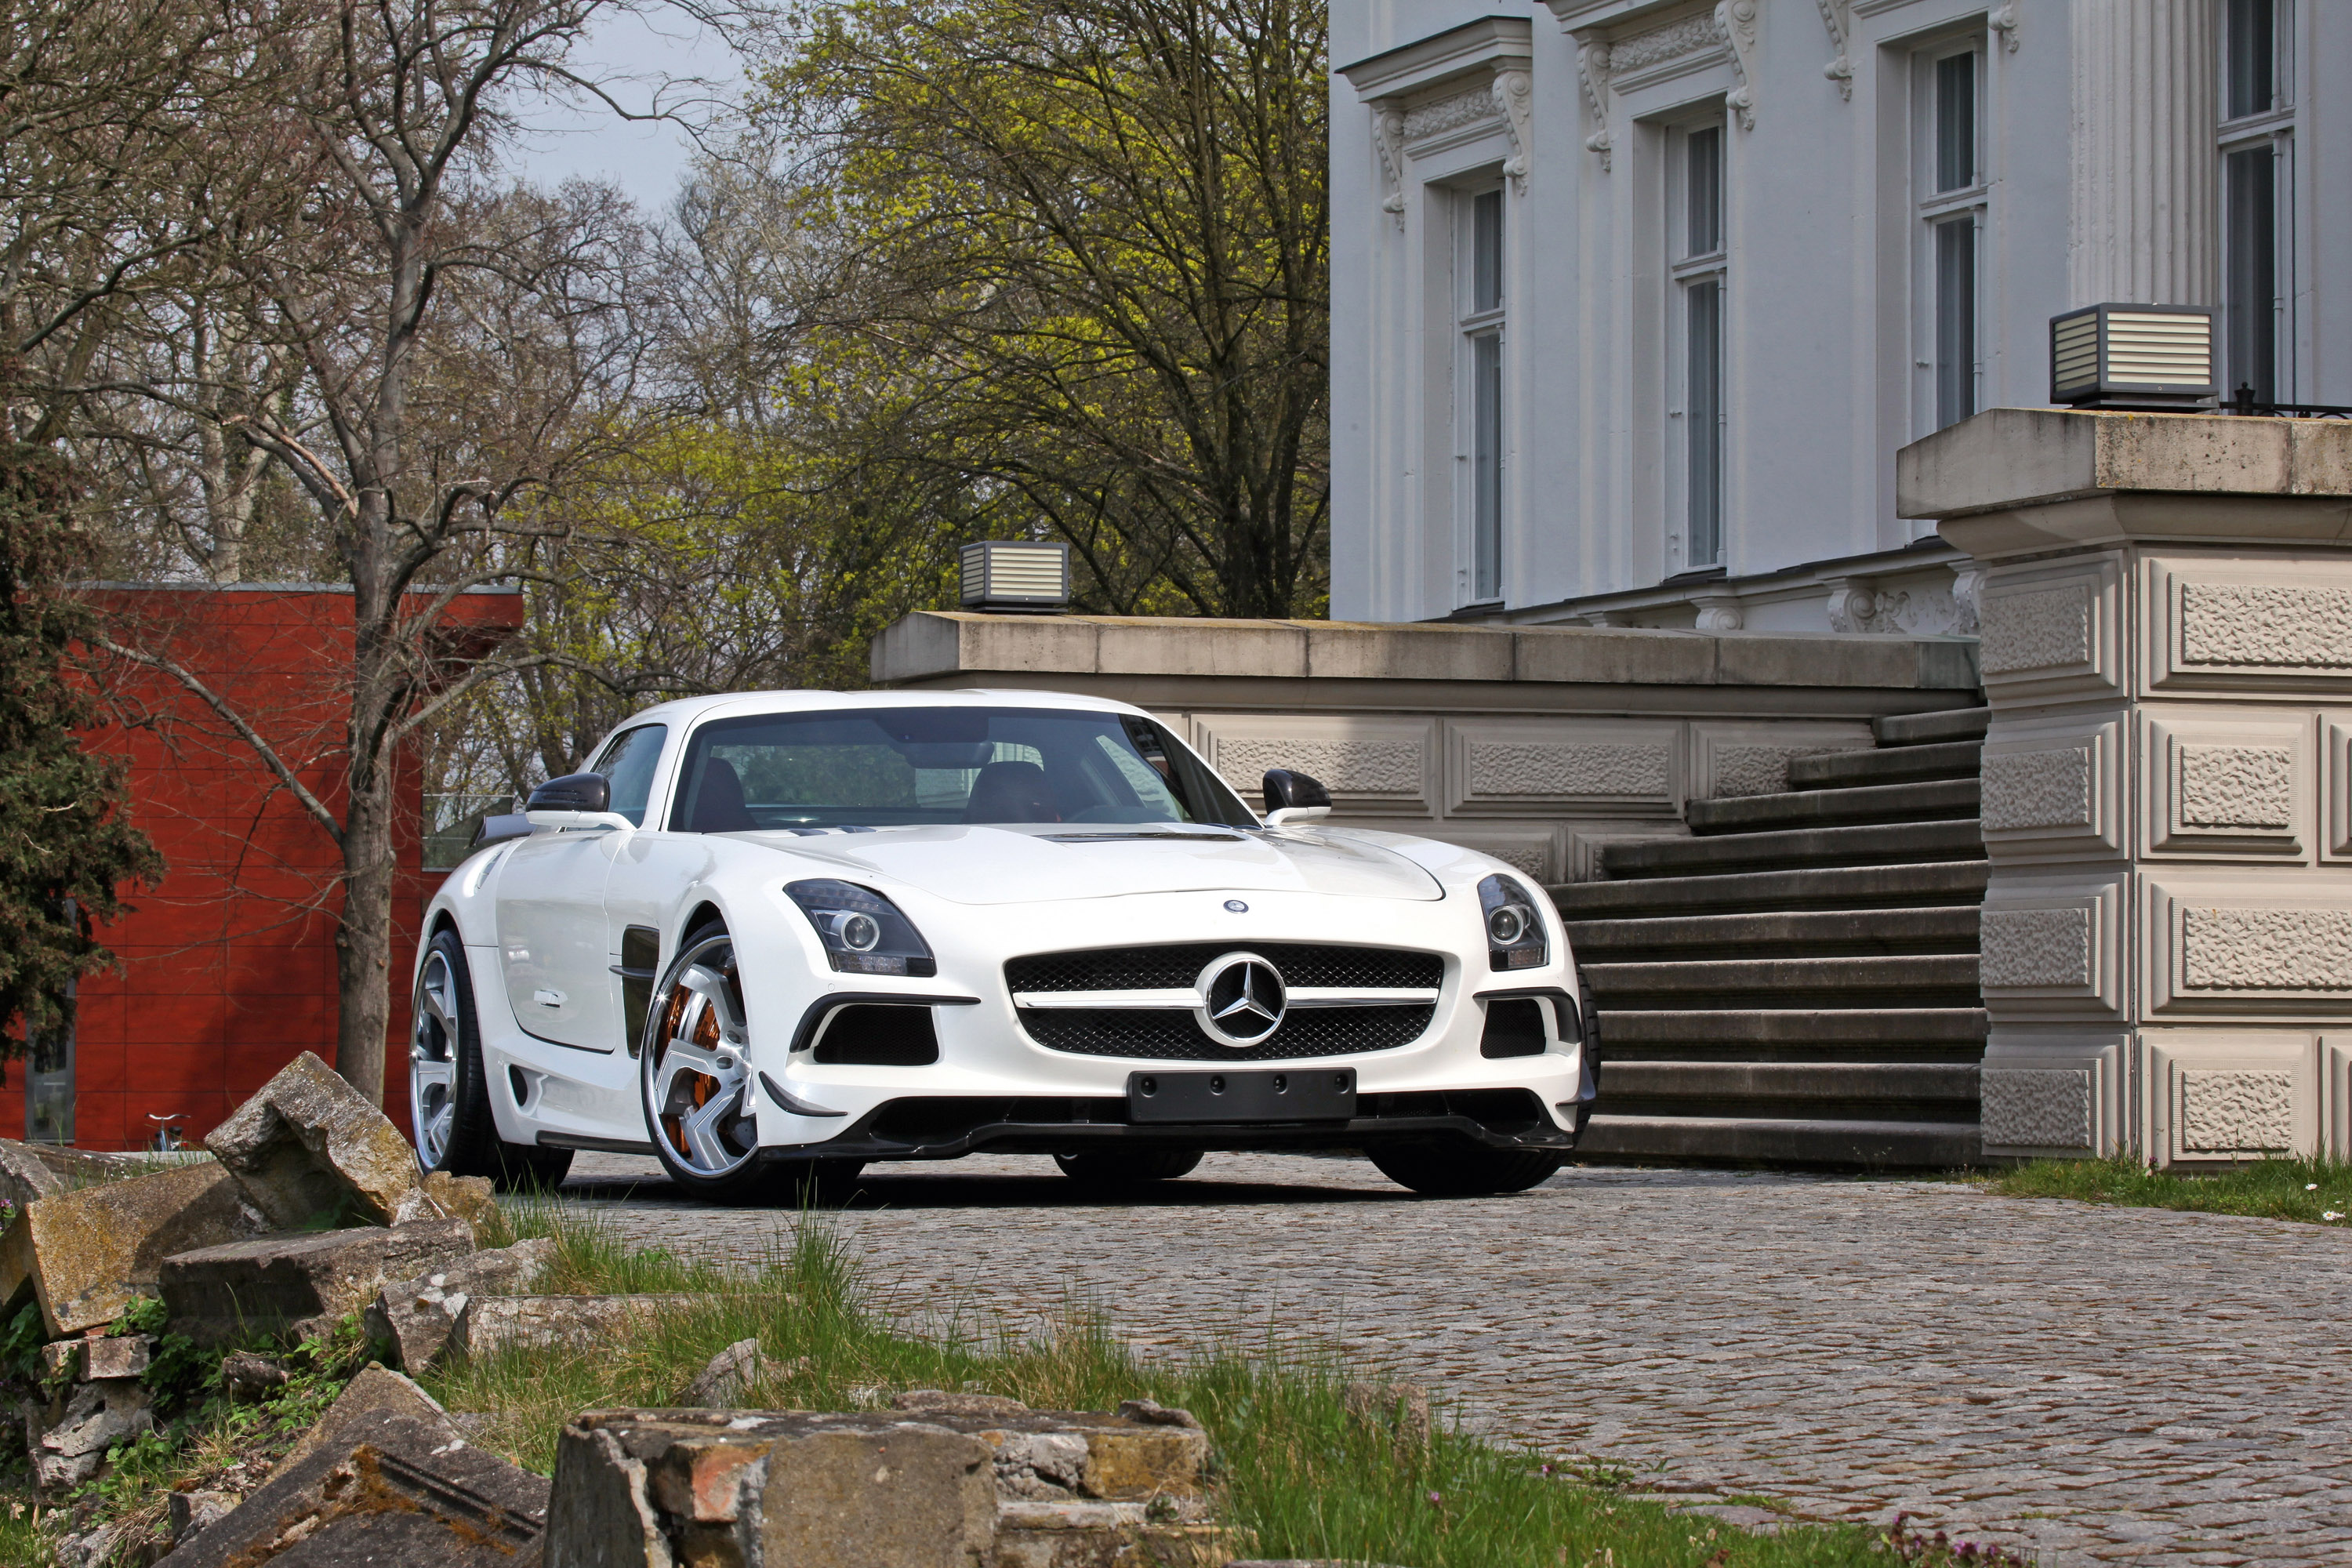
894 766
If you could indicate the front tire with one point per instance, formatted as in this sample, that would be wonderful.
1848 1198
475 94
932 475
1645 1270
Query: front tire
1456 1168
1117 1168
448 1090
695 1076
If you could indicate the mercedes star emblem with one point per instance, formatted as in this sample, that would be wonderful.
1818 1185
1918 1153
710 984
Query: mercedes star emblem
1242 1000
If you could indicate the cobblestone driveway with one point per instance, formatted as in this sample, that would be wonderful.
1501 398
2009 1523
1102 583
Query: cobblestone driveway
2100 1384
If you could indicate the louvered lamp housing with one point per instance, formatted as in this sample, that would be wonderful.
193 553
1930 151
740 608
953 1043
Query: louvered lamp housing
2132 356
1015 574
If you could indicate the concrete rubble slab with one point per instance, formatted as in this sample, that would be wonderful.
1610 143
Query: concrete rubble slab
941 1485
68 1437
468 1197
29 1171
306 1144
122 1355
720 1383
418 1317
193 1511
376 1391
390 1490
291 1284
493 1323
86 1253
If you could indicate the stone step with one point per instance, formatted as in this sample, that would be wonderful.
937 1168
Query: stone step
1778 1081
1947 881
1917 979
1780 934
1907 842
1927 728
1873 1144
1782 1032
1837 770
1924 801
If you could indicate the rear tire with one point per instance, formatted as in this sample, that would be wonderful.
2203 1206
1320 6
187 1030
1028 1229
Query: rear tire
448 1090
1460 1169
1116 1168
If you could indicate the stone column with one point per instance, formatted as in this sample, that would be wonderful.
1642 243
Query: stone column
2145 175
2166 607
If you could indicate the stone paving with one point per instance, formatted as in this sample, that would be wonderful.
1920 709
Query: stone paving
2097 1385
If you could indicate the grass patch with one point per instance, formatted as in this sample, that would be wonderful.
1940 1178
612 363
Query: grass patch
1304 1464
2318 1192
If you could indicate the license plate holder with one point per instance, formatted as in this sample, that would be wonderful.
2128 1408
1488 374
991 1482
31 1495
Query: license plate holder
1283 1094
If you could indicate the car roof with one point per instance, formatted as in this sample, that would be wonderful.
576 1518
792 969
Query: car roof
687 710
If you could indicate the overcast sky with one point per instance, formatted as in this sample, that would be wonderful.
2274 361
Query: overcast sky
633 53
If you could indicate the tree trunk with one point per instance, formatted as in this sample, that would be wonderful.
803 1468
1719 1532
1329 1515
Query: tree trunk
364 940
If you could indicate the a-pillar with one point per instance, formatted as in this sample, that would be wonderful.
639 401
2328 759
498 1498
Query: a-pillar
2167 608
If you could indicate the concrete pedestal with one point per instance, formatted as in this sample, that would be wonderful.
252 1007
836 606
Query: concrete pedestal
2166 611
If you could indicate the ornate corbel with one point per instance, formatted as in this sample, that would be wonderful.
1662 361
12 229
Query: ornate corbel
2003 21
1735 20
1719 611
1515 93
1592 76
1388 130
1837 15
1854 605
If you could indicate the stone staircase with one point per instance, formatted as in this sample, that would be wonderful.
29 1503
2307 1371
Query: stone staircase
1797 981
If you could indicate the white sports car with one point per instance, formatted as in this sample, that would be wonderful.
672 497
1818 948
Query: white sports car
771 937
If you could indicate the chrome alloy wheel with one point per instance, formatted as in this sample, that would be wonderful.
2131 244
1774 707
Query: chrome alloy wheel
697 1082
433 1061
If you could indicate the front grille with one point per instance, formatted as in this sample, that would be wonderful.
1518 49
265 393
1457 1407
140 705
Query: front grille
1167 1035
1180 963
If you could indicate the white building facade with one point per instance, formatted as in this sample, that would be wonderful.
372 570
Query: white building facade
1634 301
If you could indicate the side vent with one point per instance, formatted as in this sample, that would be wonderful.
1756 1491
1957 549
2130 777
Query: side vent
1515 1028
640 953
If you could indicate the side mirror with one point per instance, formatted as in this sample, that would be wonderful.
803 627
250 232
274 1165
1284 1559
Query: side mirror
1294 797
573 792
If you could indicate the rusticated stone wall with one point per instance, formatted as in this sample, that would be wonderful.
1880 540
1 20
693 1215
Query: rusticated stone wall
2166 609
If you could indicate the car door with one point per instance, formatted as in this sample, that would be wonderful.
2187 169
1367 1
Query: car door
552 935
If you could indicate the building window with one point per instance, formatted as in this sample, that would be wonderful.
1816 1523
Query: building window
2256 148
1949 177
1695 244
1480 322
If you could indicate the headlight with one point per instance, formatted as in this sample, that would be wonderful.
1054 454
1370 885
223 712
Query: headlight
1515 932
863 932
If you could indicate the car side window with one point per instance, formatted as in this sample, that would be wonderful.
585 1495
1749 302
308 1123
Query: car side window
627 763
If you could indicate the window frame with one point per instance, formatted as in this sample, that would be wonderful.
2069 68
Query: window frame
1686 271
1481 356
2270 127
1941 393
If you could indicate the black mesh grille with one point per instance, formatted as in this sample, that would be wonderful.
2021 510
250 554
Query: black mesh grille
1172 1037
1178 965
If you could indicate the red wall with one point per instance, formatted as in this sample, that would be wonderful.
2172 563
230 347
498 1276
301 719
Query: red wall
228 965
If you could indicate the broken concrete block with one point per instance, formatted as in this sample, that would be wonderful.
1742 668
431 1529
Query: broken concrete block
125 1355
29 1171
1105 1535
89 1548
390 1489
493 1323
62 1362
293 1284
376 1391
192 1511
86 1253
791 1490
720 1383
417 1317
468 1197
948 1403
250 1379
307 1144
68 1447
24 1175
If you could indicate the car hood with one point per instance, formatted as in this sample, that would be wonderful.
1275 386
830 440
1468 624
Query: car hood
1033 865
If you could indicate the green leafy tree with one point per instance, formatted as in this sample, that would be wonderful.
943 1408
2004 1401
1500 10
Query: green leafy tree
67 844
1089 242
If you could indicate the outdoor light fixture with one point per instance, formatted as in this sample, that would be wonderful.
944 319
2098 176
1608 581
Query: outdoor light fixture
2145 357
1015 574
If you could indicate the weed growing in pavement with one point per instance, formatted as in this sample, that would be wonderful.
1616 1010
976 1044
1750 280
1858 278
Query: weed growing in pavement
2318 1191
1309 1470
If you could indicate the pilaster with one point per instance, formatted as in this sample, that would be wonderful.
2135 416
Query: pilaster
2144 180
2167 612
